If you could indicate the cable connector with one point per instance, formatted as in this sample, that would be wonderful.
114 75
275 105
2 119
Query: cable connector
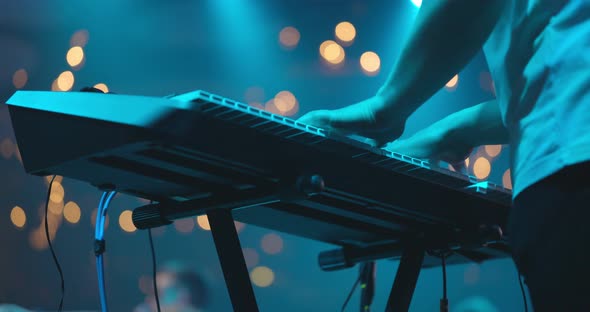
99 247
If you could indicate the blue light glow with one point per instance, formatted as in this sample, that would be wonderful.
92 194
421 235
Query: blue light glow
417 3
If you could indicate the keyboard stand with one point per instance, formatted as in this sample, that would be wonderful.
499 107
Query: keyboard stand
412 251
219 213
231 258
237 278
406 277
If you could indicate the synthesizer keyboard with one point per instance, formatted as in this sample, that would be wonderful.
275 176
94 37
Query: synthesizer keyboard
200 153
197 144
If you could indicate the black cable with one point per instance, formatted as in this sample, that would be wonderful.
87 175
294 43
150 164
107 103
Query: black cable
526 307
443 254
444 302
358 280
444 271
61 274
154 270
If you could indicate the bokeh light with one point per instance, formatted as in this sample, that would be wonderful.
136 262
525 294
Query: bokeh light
272 243
18 217
286 103
54 222
370 63
103 87
75 56
203 222
37 239
271 107
57 192
481 168
65 81
332 52
72 212
79 38
493 150
453 83
251 257
184 225
54 86
289 37
345 32
126 222
507 180
58 179
20 78
262 276
7 148
56 208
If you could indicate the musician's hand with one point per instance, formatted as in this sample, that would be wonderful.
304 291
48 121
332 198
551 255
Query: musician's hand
435 145
365 118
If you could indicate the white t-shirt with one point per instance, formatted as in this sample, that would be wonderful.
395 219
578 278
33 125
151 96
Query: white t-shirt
539 58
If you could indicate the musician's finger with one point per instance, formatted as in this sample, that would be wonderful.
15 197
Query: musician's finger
373 143
403 147
461 165
331 131
319 118
381 142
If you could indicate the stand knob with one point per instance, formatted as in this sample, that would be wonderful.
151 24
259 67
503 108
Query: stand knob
310 184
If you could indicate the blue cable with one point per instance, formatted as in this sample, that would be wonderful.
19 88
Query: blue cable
101 285
98 214
101 213
99 260
105 206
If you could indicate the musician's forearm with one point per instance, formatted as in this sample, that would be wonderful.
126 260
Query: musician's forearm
445 36
477 125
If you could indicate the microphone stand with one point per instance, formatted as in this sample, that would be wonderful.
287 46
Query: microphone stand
367 280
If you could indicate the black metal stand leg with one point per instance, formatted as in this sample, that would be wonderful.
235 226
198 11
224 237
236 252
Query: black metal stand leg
232 260
405 279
